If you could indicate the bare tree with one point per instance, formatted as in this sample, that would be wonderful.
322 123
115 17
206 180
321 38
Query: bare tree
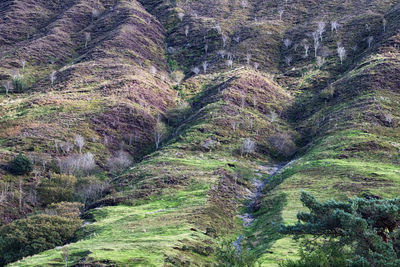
316 43
65 255
244 4
288 60
79 142
342 53
159 131
186 30
306 49
229 63
23 63
221 53
248 58
280 13
320 61
384 22
218 29
224 39
120 161
370 39
196 70
180 16
53 77
8 86
88 37
206 48
334 26
256 65
248 146
321 29
287 42
95 13
205 66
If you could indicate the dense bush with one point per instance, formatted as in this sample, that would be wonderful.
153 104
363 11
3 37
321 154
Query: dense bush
370 227
20 165
228 255
20 85
60 187
34 234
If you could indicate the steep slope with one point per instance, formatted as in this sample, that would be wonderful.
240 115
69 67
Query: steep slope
234 89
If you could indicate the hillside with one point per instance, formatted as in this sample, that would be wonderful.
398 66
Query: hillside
181 124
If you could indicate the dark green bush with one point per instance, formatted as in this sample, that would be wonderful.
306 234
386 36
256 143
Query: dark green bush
20 165
34 234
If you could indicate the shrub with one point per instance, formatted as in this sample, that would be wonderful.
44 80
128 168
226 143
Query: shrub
59 187
20 165
228 255
34 234
65 209
19 84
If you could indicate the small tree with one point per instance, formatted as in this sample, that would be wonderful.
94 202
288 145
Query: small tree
23 63
370 39
180 16
281 11
306 49
187 30
334 26
321 29
53 77
205 66
7 86
196 70
248 146
342 53
79 142
20 165
159 131
88 37
287 42
229 63
224 39
384 22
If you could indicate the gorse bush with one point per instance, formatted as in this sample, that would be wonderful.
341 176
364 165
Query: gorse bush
34 234
60 187
20 165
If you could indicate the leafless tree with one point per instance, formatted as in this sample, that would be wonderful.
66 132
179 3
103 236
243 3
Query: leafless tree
88 37
221 53
218 29
159 131
320 61
370 39
186 30
288 60
248 146
180 16
23 63
306 49
280 13
196 70
248 58
384 22
334 26
244 4
153 70
224 39
120 161
53 77
8 86
256 65
287 42
79 142
229 63
321 29
342 53
205 66
95 13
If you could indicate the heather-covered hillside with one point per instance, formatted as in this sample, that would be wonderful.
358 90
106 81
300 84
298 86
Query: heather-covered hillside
180 133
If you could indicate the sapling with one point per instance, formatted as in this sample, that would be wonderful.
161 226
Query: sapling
229 63
384 22
196 70
306 49
334 26
342 53
87 38
205 66
280 13
224 39
256 65
248 58
180 16
369 40
287 42
23 63
53 77
321 29
288 60
79 142
186 30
